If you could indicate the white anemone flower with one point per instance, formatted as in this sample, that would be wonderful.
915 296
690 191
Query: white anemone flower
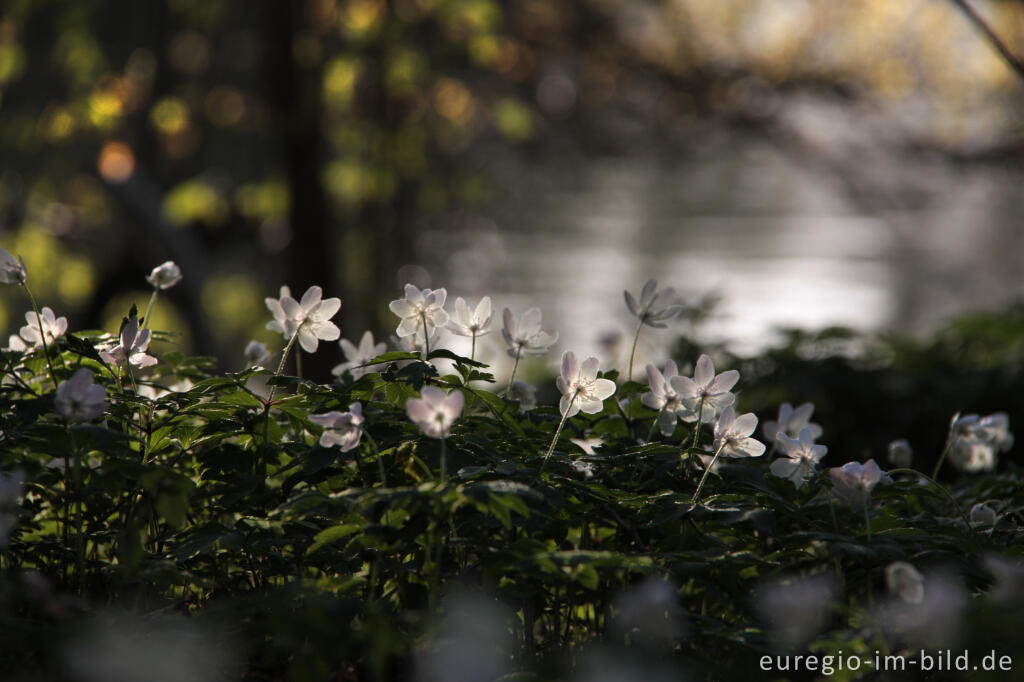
16 343
256 354
341 428
79 399
983 515
525 394
662 397
434 411
581 390
733 435
357 356
900 453
853 482
53 327
309 317
475 322
133 346
905 582
525 337
12 270
419 308
791 422
647 309
165 275
801 457
706 391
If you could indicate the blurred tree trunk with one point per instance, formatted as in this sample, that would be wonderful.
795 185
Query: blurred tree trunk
295 93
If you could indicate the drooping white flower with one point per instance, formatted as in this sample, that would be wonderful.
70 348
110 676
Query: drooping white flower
468 322
434 411
900 453
53 327
663 397
525 337
733 435
801 457
341 428
525 394
419 307
904 582
853 482
256 354
983 515
791 422
12 270
132 348
356 357
165 275
79 399
648 310
581 390
309 317
706 389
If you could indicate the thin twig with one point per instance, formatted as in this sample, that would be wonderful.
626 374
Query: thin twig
1011 59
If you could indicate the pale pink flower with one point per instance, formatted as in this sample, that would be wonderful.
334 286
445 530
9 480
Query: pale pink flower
419 308
341 428
79 399
708 390
53 327
434 411
581 390
647 309
165 275
133 346
732 435
801 457
309 317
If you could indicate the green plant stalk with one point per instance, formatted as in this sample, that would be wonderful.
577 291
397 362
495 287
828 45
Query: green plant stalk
711 465
632 353
149 308
654 425
426 337
950 441
444 462
696 427
42 332
515 366
79 537
472 349
380 460
558 432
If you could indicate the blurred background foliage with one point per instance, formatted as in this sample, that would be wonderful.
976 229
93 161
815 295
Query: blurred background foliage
315 142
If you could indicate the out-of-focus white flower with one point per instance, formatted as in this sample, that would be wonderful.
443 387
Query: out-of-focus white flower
309 317
132 348
525 337
581 390
16 344
791 422
663 397
801 457
156 391
1009 579
983 515
434 411
256 354
414 342
900 453
525 394
587 444
53 327
648 310
471 643
12 270
924 611
649 613
357 357
706 389
471 322
976 441
165 275
10 494
796 608
419 307
733 435
905 582
853 482
79 399
341 428
584 469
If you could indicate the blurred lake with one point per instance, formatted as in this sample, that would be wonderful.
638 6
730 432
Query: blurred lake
790 231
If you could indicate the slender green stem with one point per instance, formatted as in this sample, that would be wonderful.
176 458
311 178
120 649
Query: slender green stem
632 353
512 376
79 537
938 485
711 465
696 427
42 333
950 441
426 337
149 309
472 349
558 432
280 367
444 460
654 425
380 460
298 363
